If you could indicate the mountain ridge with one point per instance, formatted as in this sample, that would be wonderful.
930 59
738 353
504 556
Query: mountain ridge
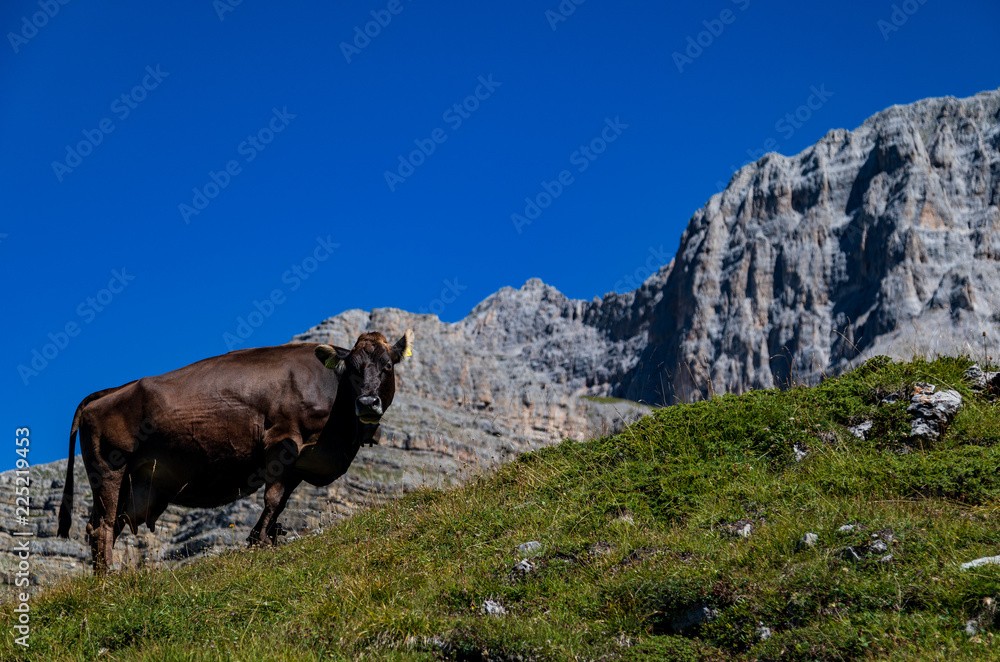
806 262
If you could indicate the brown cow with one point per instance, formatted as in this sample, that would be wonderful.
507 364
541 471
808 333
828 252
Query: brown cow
219 429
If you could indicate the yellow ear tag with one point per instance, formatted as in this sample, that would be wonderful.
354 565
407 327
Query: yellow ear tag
332 362
408 352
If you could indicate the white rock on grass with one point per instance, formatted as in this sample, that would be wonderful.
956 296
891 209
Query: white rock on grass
493 608
742 528
986 560
931 410
861 429
524 566
980 379
975 376
528 547
808 540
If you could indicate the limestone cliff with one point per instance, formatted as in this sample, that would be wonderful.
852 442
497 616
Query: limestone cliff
879 240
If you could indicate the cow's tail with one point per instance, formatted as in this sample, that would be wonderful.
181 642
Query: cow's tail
66 508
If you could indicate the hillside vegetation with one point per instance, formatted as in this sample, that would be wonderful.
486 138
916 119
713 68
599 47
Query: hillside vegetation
677 539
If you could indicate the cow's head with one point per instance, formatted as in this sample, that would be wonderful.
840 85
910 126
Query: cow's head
369 369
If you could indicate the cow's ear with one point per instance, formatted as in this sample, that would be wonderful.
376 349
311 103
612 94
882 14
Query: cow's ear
403 347
333 357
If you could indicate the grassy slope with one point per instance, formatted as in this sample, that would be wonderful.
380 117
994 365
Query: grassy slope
406 580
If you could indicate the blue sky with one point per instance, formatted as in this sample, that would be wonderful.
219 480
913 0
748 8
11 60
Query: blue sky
169 167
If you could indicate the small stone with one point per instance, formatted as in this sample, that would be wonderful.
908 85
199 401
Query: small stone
800 453
975 376
808 540
932 411
763 632
493 608
742 528
972 627
847 528
986 560
878 547
524 566
850 554
861 429
530 546
886 559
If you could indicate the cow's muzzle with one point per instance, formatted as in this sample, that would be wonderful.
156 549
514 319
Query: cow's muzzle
368 408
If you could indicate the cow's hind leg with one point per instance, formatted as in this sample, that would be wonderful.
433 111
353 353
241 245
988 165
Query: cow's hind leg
105 470
275 497
104 525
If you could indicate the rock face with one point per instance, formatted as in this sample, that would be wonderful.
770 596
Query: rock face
879 240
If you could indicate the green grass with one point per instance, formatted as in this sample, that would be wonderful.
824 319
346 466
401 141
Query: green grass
635 532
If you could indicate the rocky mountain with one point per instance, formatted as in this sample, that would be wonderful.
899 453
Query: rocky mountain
878 240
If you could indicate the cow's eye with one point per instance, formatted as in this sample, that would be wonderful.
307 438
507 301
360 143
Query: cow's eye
388 367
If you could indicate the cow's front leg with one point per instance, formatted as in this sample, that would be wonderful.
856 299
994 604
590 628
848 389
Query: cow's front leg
275 497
